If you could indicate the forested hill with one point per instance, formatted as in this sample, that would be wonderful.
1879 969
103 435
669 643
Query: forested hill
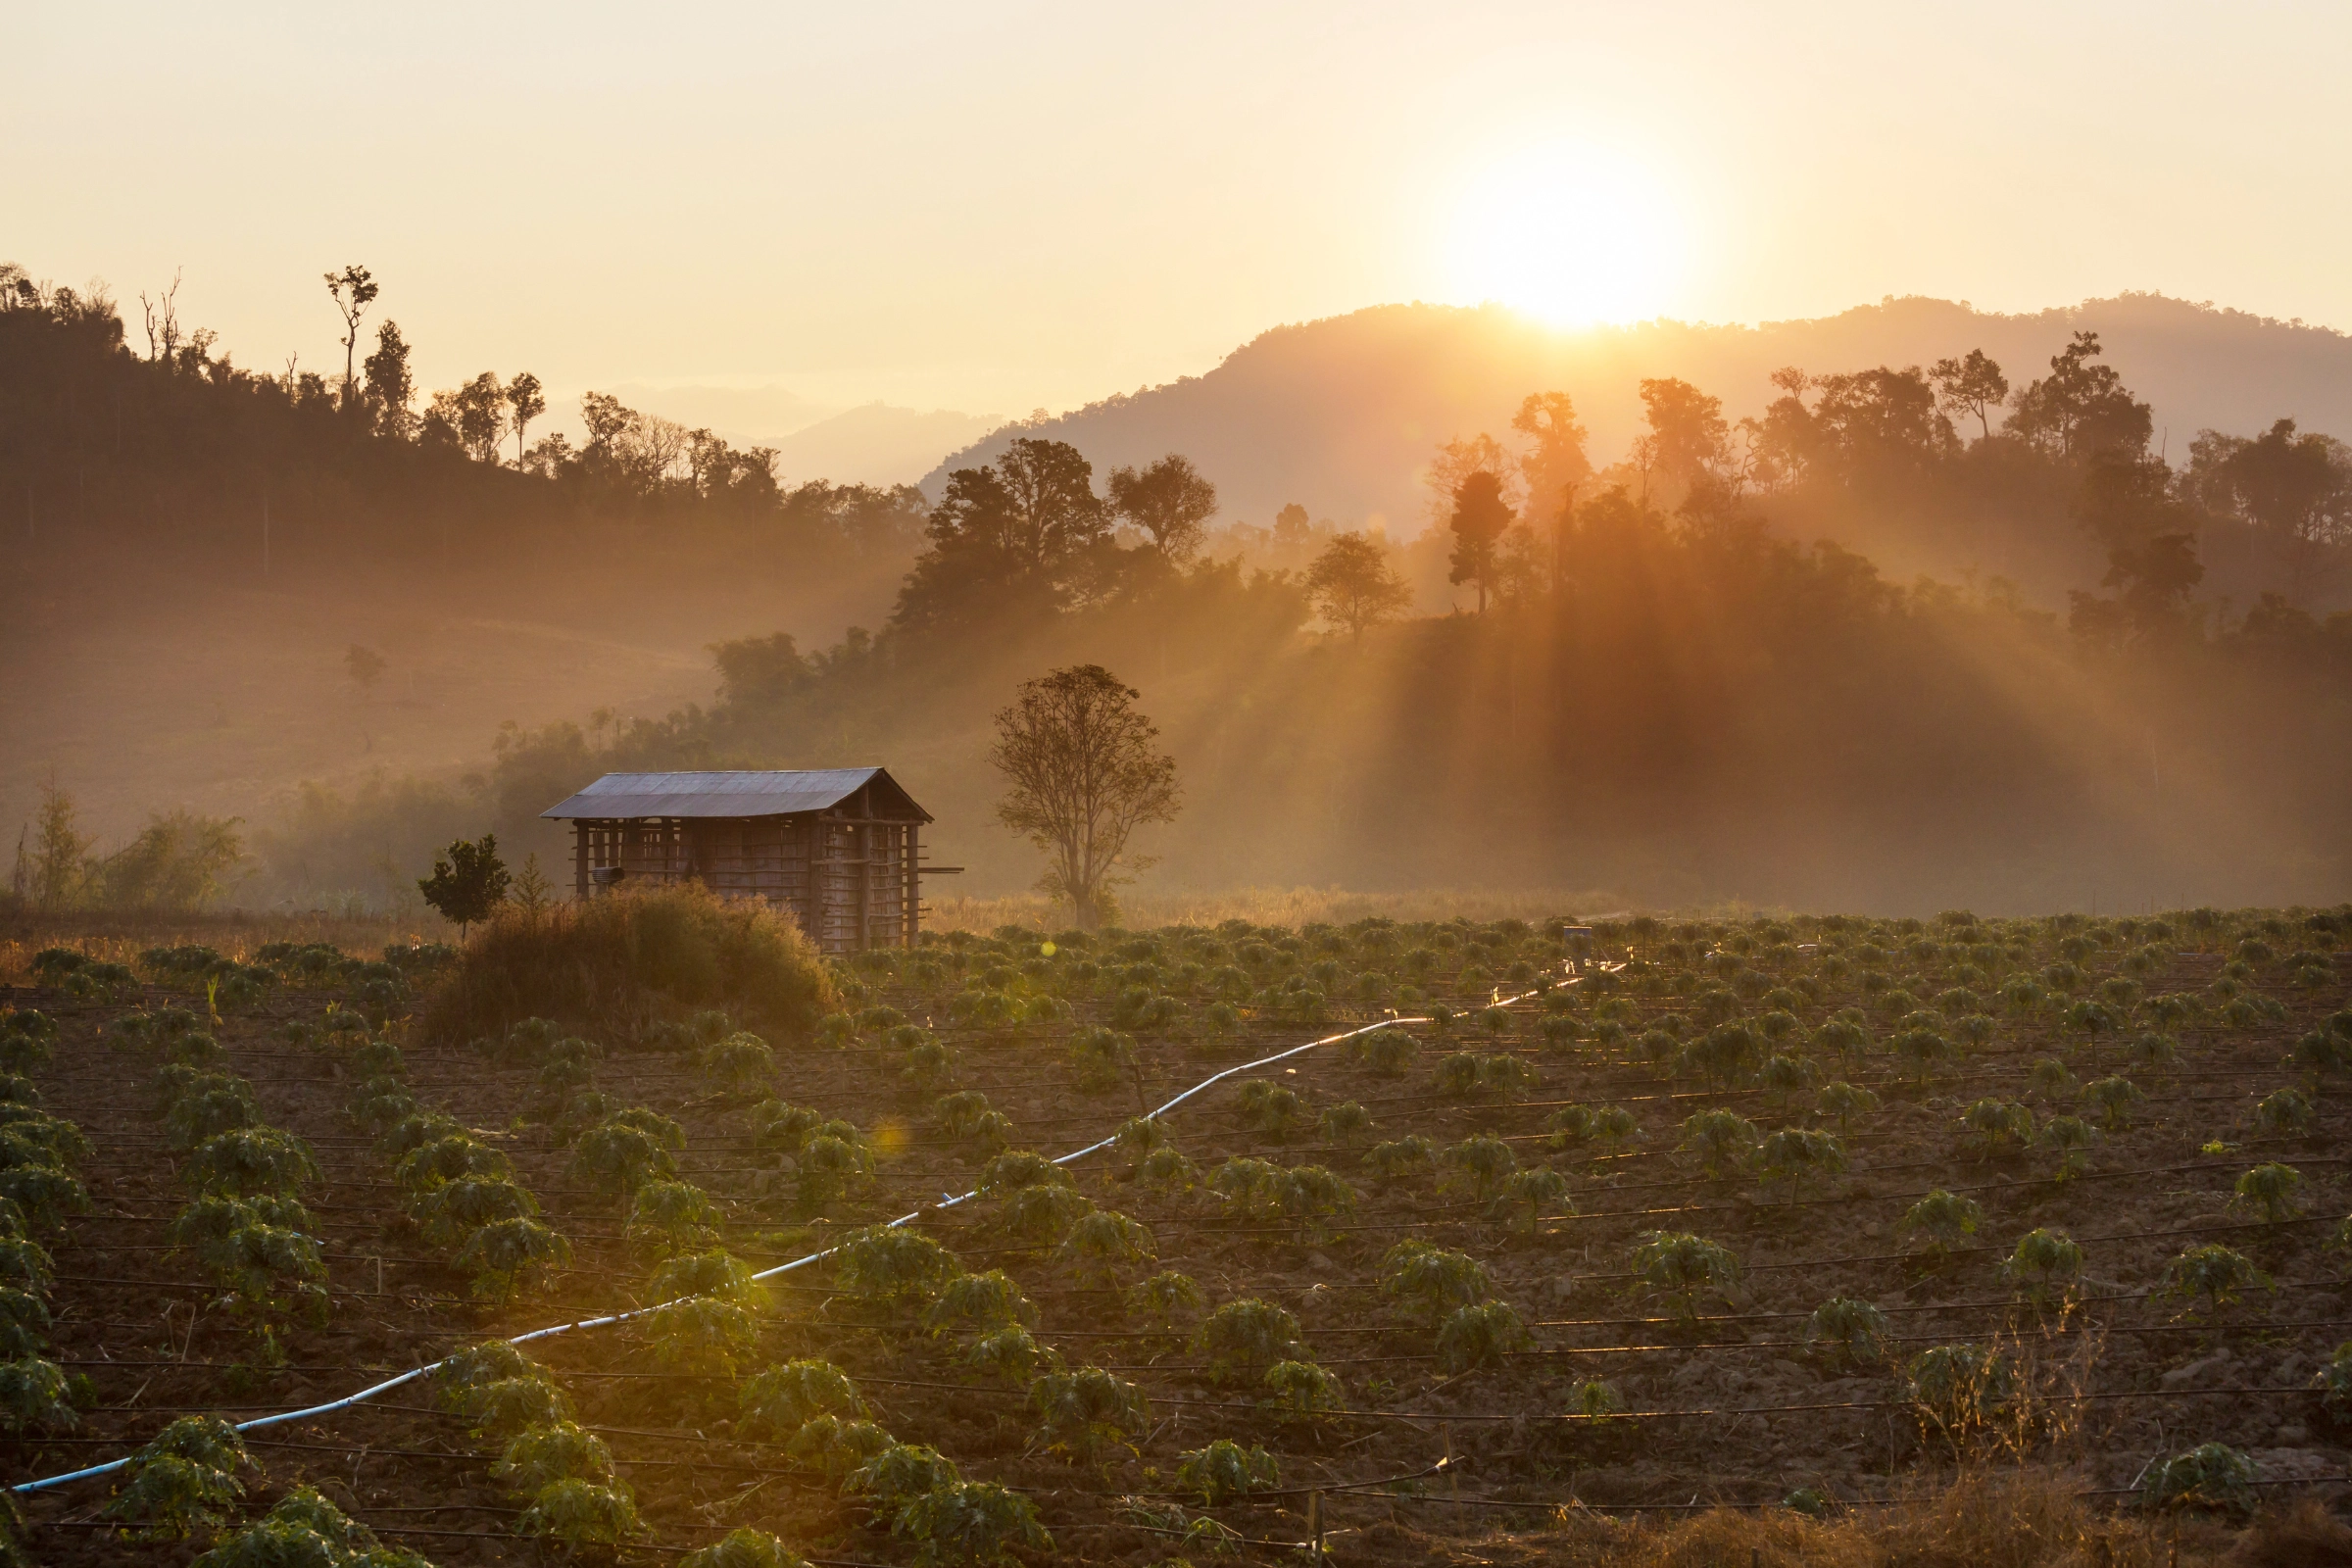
1342 416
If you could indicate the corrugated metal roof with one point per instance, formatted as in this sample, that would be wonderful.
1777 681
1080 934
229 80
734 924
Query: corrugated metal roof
777 794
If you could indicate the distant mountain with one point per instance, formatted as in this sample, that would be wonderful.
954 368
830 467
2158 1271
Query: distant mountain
1340 415
877 444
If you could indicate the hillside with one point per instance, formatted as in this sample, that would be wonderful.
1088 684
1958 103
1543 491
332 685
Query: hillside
1340 415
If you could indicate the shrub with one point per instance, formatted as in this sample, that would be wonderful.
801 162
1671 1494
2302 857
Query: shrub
1402 1157
1847 1331
2283 1112
902 1471
1045 1213
666 1218
891 1265
1683 1267
1164 1170
540 1456
1427 1281
1943 1220
627 1150
1164 1299
1274 1109
744 1548
450 1158
1298 1389
978 1304
1009 1356
1389 1053
781 1400
2271 1188
2209 1478
1961 1388
1017 1169
2072 1137
969 1524
1245 1337
2213 1274
626 959
305 1529
1102 1243
583 1513
1085 1412
1479 1336
1345 1124
740 1065
1994 1126
1224 1472
35 1395
1793 1153
2112 1099
507 1257
702 1336
1481 1163
1843 1101
183 1480
2045 1265
1526 1194
1722 1140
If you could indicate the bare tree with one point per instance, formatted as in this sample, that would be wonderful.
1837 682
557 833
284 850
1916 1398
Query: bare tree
163 320
353 291
1085 775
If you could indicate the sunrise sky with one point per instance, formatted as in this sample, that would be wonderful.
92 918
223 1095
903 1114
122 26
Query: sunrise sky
999 207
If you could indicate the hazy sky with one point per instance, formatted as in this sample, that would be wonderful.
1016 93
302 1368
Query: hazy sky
996 207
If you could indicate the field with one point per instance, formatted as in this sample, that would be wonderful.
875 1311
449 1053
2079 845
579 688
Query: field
1811 1240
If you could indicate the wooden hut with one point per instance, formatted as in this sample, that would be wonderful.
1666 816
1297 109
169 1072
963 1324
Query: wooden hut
837 847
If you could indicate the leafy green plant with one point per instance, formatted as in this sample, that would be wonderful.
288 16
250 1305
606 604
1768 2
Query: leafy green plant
35 1396
2283 1112
978 1304
666 1218
1996 1127
1165 1299
837 1447
1943 1220
1164 1170
1087 1412
1683 1267
702 1336
1525 1195
540 1456
744 1548
2209 1478
507 1257
890 1266
1400 1157
248 1162
1427 1281
1225 1472
1010 1355
1045 1214
183 1480
1794 1153
1479 1336
1017 1170
1722 1141
779 1400
2072 1137
740 1065
1960 1390
969 1524
2213 1274
305 1529
455 1157
1241 1338
2044 1266
1274 1109
2269 1188
1479 1163
1300 1390
449 1214
1100 1245
1843 1101
1847 1332
2111 1100
899 1472
578 1513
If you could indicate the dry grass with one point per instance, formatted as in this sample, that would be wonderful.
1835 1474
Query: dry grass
621 963
1143 910
120 937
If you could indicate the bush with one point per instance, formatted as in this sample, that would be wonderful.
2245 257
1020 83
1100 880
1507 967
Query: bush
900 1472
306 1531
1297 1389
1102 1243
2213 1274
1480 1335
837 1448
781 1400
1086 1412
2271 1188
1961 1388
2210 1478
1244 1338
583 1513
666 1218
740 1065
626 959
1427 1281
507 1257
2044 1266
1847 1331
1400 1157
890 1266
1164 1299
1683 1267
744 1549
1224 1471
624 1151
248 1161
702 1336
1943 1220
969 1524
34 1397
540 1456
979 1304
183 1480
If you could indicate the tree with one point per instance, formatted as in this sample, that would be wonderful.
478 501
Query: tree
469 884
2295 487
1169 501
2081 409
1456 460
475 414
1022 533
53 874
1688 436
1971 388
1480 517
527 401
391 388
1085 775
1352 585
365 666
353 291
1556 465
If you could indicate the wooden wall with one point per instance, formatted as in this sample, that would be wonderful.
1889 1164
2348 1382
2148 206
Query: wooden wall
850 882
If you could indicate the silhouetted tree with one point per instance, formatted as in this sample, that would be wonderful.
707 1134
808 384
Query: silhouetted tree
527 401
1687 433
2297 487
1169 501
469 884
1026 533
1556 465
1480 517
1971 388
353 291
2082 408
391 388
1085 773
1352 585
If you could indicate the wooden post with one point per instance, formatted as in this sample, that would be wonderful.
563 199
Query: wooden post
1314 1526
579 862
1453 1482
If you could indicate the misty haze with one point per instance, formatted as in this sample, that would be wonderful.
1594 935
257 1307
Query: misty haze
978 788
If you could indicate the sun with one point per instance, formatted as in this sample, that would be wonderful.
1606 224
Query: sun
1573 235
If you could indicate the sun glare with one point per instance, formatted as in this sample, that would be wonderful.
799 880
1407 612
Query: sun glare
1572 235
